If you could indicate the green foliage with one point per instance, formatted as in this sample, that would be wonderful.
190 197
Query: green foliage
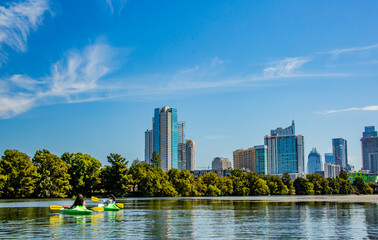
182 181
156 160
18 175
115 178
84 171
303 186
239 182
256 185
211 180
54 177
361 186
286 179
321 185
343 175
345 187
334 185
225 186
276 185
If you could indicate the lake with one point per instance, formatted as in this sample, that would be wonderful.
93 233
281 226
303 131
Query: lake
192 218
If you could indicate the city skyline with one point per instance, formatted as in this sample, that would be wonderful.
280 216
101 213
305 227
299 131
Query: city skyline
83 76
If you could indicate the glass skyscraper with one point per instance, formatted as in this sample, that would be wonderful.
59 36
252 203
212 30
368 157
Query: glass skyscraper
328 158
369 144
314 162
340 153
285 151
148 150
181 146
165 136
261 159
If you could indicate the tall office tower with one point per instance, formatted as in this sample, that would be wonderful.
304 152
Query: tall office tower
285 151
328 158
181 146
369 144
331 170
165 136
373 157
340 153
148 146
221 163
190 155
314 162
245 159
261 159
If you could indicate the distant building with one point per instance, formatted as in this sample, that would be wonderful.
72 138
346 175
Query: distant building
245 159
331 170
219 172
367 177
261 159
373 157
285 151
221 163
190 150
369 144
181 146
340 153
328 158
314 162
148 149
165 136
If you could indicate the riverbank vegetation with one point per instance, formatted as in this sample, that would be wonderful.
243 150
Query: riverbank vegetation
48 176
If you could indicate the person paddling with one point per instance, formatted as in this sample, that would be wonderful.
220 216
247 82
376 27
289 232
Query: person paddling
79 201
111 199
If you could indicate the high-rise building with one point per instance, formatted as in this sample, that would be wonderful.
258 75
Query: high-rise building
340 153
181 146
261 159
221 163
245 159
369 144
328 158
165 136
331 170
314 162
285 151
373 162
190 155
148 149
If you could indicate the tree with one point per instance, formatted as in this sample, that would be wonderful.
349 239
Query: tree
210 180
321 186
286 179
225 186
345 187
362 186
156 160
84 171
256 185
239 182
275 184
334 185
116 178
343 175
18 175
182 181
54 177
303 186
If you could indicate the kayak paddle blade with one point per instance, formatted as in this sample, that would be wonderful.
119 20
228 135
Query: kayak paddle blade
120 205
98 209
95 199
55 207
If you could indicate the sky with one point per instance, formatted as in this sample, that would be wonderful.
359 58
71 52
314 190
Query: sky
86 76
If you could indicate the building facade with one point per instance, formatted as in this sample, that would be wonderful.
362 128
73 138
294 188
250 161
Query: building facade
221 163
262 159
331 170
190 150
314 163
328 158
340 153
369 145
165 136
181 146
285 151
148 146
245 159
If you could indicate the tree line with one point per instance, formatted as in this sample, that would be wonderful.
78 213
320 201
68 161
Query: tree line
47 175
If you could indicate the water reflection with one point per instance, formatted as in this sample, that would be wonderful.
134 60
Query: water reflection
197 218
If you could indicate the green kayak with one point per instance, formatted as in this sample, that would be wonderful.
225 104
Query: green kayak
78 210
109 207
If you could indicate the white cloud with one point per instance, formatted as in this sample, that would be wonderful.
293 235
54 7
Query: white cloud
116 4
354 49
17 20
285 67
72 80
367 108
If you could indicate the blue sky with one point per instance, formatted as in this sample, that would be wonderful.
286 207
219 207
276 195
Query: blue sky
86 75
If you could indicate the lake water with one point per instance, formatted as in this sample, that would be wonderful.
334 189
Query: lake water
191 218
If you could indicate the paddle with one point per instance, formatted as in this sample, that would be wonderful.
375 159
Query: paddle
95 199
55 207
98 209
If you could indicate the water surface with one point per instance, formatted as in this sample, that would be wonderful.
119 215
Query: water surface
192 218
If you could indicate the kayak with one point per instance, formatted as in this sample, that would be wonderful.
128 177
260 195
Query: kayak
109 207
78 210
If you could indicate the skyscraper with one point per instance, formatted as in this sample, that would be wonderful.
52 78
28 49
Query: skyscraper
165 136
285 151
261 159
181 146
245 159
190 155
328 158
314 162
369 144
148 149
340 153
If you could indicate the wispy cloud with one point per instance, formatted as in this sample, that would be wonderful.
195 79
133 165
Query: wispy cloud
17 19
285 67
367 108
73 79
351 50
116 4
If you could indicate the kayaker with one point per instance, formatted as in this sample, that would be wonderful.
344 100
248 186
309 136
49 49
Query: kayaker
79 201
111 199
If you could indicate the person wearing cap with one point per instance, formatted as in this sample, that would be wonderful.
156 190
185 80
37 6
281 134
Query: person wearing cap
111 199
